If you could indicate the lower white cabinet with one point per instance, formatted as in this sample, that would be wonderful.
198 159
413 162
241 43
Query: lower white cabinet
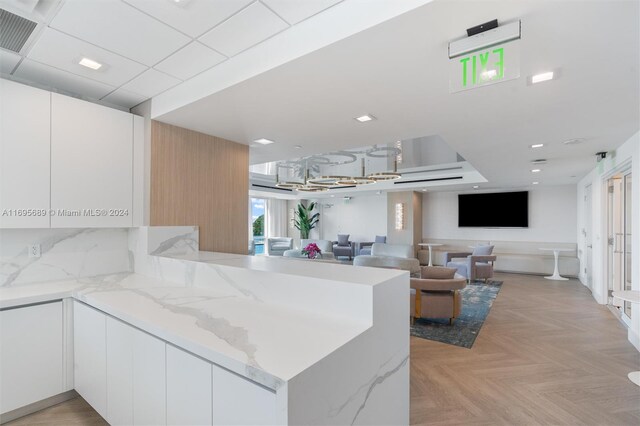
133 378
237 401
90 356
120 338
149 384
189 390
31 358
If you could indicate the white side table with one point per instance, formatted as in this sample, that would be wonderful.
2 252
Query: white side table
556 274
430 254
632 296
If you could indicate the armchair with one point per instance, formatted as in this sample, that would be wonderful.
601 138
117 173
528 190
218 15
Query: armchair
364 249
278 245
343 247
436 294
475 265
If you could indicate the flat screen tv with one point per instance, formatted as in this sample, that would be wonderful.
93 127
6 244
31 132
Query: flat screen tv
494 210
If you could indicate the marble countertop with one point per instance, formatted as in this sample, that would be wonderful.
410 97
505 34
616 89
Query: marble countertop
267 343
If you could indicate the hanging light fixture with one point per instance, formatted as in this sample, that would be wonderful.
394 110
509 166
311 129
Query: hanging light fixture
394 175
309 186
328 181
286 184
357 180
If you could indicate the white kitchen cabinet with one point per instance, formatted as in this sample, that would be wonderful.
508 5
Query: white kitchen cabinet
149 384
90 356
91 164
238 401
25 114
120 337
189 390
31 359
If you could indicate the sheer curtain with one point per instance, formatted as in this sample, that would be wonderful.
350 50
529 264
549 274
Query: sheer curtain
276 218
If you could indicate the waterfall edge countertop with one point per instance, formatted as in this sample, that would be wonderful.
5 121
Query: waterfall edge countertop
267 343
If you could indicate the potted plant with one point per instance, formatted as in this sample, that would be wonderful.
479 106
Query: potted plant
304 220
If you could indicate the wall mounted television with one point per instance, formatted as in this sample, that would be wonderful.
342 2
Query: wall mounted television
494 210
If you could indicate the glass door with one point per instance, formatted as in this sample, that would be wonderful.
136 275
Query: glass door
627 239
619 234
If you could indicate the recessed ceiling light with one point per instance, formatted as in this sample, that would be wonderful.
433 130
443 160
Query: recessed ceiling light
90 63
365 118
573 141
535 170
539 78
535 183
297 146
539 161
263 141
424 189
537 145
475 187
332 195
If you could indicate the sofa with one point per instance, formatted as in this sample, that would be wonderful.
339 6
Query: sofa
343 247
276 246
364 248
474 265
398 256
325 246
436 294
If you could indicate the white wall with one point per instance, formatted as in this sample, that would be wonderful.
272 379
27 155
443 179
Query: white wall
363 217
552 218
626 155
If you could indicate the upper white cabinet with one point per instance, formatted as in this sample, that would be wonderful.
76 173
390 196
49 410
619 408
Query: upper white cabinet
25 114
91 164
31 358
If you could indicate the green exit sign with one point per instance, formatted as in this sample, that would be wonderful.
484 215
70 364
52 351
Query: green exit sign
485 67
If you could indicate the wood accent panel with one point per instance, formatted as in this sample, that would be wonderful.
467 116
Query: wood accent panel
197 179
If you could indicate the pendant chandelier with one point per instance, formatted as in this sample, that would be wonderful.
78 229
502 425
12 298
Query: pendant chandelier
323 183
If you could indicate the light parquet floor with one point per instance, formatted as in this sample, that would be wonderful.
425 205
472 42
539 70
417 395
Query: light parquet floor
547 354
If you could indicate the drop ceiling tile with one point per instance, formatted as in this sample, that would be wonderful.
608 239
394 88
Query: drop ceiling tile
120 28
191 17
8 61
150 83
243 30
190 60
54 79
64 52
294 11
124 98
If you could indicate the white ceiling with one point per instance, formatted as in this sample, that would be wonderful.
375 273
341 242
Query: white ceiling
146 46
399 72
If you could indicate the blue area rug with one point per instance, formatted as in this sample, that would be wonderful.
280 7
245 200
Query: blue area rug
477 299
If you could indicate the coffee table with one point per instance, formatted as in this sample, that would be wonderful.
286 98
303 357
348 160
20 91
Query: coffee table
556 273
632 296
430 254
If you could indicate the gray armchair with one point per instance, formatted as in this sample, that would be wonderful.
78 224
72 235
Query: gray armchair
473 266
278 245
364 249
343 247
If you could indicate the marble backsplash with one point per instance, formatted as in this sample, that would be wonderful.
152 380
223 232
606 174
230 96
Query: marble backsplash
65 253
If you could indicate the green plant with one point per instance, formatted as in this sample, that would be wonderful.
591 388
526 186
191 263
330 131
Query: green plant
258 226
304 220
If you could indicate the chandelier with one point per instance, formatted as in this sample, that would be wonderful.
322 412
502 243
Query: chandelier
321 183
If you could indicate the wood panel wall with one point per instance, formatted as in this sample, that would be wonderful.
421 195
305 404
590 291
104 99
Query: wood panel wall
197 179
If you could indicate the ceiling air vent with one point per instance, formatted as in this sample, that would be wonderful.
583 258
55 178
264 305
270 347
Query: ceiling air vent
14 31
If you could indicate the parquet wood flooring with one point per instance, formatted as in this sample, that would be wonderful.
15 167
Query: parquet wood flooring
547 354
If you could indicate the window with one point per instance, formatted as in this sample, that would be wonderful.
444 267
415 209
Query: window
257 223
